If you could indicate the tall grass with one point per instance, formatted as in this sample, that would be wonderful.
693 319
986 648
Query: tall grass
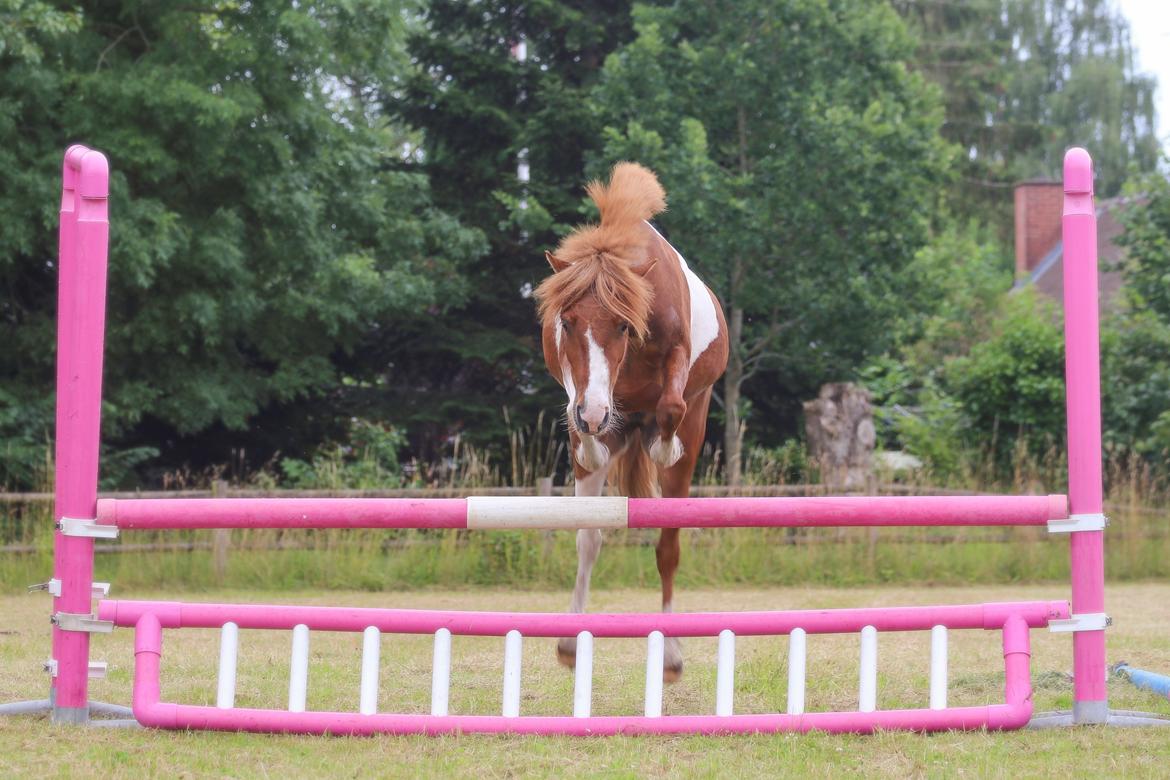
1137 543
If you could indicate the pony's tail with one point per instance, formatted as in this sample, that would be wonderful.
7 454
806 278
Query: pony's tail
632 195
634 474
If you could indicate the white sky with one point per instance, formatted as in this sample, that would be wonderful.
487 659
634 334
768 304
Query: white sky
1149 22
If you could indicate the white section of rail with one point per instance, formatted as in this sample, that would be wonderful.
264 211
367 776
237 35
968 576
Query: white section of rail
298 673
655 658
371 660
725 674
797 661
512 652
938 668
583 676
229 644
441 673
867 692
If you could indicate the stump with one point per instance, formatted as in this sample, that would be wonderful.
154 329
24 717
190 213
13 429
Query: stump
841 436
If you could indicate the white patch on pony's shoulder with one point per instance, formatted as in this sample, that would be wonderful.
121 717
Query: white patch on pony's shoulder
704 319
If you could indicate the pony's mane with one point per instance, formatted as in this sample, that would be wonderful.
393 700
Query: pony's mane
602 258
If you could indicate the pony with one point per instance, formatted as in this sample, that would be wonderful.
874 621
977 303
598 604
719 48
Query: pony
637 340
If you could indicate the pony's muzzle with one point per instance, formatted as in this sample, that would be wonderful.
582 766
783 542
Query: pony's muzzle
583 420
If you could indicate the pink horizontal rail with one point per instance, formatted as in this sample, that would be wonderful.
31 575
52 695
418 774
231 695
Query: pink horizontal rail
846 511
193 513
152 712
176 614
188 513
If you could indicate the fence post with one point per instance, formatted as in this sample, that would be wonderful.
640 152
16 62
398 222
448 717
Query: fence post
221 537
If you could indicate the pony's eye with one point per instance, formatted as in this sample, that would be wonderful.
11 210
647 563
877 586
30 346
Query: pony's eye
624 327
565 323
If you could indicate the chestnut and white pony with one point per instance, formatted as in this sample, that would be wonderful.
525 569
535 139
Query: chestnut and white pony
637 341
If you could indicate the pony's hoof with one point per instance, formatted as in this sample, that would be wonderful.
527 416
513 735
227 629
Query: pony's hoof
672 661
567 652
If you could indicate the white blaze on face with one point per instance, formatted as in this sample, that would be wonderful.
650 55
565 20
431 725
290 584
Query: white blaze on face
595 405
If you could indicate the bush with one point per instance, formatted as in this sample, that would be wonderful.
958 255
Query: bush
368 461
1011 387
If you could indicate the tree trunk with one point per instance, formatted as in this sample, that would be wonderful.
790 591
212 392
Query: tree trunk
733 377
732 382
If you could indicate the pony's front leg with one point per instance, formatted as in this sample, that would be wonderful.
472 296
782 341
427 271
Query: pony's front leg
667 448
590 481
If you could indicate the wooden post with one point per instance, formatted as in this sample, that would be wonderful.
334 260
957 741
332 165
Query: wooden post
220 537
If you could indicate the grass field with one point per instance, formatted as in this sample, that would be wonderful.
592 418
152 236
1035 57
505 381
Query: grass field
1141 612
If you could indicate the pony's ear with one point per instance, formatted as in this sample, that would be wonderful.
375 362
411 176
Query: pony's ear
557 264
645 268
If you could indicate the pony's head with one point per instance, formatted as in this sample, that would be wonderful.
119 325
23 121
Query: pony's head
598 298
594 307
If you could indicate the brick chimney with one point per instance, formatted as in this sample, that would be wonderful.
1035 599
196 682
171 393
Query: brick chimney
1038 209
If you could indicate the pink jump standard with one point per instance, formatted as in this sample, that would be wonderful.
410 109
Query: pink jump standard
81 518
1083 400
84 239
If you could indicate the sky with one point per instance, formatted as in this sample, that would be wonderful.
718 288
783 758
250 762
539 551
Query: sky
1149 22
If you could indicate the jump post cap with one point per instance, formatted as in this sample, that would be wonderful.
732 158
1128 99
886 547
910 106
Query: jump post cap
94 180
69 165
1078 172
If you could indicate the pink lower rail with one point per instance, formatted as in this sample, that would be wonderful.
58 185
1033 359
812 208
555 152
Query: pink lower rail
633 513
178 614
150 618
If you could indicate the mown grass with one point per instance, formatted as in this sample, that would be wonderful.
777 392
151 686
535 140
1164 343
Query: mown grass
1141 611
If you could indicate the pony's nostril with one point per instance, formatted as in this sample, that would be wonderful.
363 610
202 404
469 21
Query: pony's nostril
604 421
581 424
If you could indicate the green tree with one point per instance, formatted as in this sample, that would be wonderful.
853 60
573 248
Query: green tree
1025 79
265 237
1136 342
802 160
959 280
479 107
1011 386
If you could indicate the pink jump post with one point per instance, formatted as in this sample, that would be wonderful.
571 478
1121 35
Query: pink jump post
81 518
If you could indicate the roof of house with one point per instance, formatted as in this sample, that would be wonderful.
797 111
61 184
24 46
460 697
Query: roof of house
1048 275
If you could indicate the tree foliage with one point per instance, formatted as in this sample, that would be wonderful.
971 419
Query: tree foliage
319 238
802 160
263 233
1024 80
1136 347
480 108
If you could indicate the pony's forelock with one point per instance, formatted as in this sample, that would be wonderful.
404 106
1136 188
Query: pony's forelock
611 281
603 260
